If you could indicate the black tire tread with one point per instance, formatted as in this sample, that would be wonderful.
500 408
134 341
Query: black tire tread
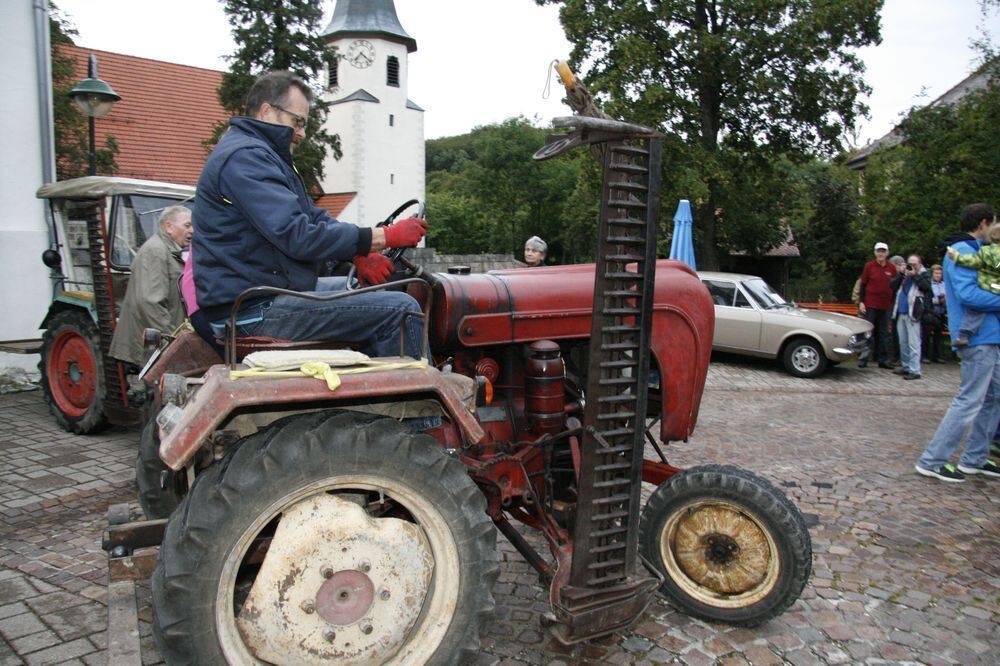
156 502
733 483
292 447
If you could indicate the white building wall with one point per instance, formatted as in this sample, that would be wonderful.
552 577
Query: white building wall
25 289
382 163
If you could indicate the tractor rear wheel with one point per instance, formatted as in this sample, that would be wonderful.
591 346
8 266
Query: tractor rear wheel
327 537
72 369
160 488
731 546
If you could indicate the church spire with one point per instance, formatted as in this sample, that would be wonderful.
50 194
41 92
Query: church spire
368 17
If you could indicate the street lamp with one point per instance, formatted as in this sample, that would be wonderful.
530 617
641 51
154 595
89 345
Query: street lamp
95 98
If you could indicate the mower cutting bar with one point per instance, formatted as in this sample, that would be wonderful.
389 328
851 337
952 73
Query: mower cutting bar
607 516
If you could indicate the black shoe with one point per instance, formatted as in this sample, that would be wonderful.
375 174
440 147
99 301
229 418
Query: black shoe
862 364
886 366
910 375
945 472
900 371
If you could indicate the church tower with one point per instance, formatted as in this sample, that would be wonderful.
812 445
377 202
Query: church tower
381 130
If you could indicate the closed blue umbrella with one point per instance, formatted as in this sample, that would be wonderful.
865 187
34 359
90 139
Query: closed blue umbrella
682 244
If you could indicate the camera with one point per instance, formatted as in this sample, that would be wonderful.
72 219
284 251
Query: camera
909 267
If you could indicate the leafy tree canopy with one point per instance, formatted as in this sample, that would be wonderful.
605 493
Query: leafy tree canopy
70 127
915 191
273 35
735 82
487 194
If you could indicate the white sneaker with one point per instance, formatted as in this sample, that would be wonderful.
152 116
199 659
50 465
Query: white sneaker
989 468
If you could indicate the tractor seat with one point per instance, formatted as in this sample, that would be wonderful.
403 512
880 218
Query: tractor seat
251 344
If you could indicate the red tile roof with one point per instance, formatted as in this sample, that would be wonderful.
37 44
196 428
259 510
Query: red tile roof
334 204
165 114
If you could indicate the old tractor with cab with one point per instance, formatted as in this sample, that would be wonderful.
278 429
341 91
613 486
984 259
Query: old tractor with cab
98 225
313 505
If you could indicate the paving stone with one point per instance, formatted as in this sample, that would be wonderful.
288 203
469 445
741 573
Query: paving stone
34 642
61 653
17 626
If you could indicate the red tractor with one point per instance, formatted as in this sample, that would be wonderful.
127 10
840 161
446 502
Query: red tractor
309 520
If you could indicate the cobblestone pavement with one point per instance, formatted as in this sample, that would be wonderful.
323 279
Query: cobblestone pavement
905 568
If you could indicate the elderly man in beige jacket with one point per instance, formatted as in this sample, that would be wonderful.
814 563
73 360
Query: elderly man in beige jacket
153 297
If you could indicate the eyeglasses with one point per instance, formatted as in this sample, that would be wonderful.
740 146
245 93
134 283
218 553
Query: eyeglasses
300 121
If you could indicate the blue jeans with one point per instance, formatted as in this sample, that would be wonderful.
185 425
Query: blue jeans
977 402
908 330
374 319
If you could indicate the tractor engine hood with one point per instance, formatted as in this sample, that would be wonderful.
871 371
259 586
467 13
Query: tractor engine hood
555 303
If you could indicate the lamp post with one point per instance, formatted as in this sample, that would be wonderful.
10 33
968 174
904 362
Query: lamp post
95 98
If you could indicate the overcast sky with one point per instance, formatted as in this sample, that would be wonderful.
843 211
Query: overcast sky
482 61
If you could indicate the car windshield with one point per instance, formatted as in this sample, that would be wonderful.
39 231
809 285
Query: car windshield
763 294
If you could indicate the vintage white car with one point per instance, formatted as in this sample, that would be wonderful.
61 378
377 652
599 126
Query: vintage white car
753 319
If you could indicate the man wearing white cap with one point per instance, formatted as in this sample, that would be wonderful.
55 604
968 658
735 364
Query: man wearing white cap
876 303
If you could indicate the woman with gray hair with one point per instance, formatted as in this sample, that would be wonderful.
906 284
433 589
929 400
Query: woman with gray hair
534 251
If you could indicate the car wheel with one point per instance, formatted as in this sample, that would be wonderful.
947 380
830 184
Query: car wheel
804 358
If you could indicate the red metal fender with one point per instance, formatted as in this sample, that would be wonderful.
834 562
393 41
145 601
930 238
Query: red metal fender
220 396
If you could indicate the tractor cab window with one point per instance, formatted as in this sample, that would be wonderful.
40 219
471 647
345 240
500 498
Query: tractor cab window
134 220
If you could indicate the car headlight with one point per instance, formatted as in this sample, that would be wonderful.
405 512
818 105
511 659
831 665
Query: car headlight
859 337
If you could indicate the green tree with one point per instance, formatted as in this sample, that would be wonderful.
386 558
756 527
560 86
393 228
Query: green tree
280 34
827 211
71 135
915 191
738 81
493 195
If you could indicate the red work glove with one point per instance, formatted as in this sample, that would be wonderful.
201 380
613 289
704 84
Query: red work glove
372 269
405 233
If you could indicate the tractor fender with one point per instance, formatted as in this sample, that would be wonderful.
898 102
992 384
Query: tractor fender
221 396
70 300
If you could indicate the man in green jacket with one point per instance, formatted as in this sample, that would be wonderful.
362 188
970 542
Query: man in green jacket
153 297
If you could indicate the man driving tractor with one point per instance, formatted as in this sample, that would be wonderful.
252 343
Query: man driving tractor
257 226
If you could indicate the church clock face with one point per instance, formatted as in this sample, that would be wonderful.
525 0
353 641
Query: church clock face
361 53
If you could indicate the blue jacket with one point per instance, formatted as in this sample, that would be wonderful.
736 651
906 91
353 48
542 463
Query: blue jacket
963 293
254 223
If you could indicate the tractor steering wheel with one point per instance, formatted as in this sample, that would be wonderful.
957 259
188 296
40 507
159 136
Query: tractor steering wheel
395 254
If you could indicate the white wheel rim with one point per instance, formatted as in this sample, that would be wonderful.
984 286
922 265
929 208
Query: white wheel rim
805 358
436 612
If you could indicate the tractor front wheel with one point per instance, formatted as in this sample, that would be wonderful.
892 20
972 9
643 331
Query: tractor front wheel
72 369
731 547
327 537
